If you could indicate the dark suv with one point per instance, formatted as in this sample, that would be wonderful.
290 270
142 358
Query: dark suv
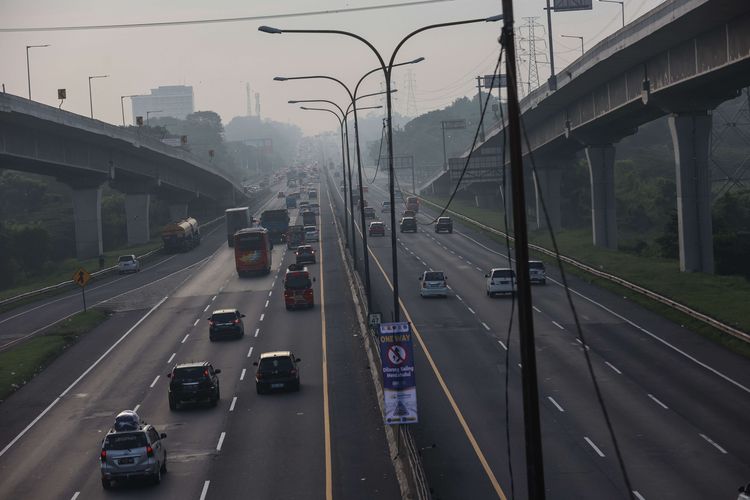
225 322
408 224
134 453
305 254
444 224
276 370
193 383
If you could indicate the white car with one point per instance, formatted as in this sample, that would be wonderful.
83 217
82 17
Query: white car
433 284
537 272
311 233
501 280
386 206
128 264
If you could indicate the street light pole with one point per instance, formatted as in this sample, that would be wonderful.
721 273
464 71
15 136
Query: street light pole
91 99
343 162
387 70
574 36
622 8
28 68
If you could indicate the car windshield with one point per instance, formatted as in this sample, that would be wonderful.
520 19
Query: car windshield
297 281
503 273
433 276
275 364
126 258
444 220
188 373
249 241
224 317
536 265
125 441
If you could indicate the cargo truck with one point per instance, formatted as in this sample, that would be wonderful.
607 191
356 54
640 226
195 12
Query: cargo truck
181 236
277 223
237 218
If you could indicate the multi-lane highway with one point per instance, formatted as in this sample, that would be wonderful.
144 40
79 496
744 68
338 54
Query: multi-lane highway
679 404
325 441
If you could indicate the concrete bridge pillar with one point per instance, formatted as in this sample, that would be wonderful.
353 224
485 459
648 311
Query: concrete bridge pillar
137 216
547 188
601 159
690 136
87 216
178 211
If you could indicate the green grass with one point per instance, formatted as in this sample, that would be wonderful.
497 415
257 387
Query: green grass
64 270
725 298
19 364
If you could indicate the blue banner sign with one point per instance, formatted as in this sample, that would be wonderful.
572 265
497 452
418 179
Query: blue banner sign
399 382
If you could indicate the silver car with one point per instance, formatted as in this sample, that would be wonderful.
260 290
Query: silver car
433 284
133 454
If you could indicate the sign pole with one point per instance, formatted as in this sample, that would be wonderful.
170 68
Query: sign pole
83 295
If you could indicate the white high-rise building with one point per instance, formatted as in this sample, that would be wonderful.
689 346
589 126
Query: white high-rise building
170 100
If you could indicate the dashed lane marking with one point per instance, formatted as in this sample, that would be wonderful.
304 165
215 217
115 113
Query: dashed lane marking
250 352
221 441
154 382
656 400
186 337
713 443
205 490
242 375
595 447
613 367
552 400
171 357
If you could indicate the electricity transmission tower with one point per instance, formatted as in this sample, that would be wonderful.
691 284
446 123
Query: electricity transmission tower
532 33
410 84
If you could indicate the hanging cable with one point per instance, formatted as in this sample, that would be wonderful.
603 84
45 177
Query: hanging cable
380 152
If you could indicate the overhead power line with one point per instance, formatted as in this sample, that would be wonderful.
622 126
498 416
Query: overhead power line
221 20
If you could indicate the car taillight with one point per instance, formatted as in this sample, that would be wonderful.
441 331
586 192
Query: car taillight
259 375
237 322
149 451
104 456
308 292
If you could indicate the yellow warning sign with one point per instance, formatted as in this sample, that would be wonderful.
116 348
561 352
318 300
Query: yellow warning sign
81 277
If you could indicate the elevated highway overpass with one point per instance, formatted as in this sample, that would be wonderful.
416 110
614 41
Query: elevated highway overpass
681 60
85 154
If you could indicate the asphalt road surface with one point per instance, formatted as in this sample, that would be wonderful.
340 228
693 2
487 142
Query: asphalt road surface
326 441
678 403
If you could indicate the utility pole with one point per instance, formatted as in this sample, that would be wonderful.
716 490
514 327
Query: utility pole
532 427
479 98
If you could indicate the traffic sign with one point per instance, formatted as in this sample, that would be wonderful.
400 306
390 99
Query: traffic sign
374 319
399 382
81 277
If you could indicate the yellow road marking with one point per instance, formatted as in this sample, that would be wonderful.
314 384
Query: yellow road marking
326 413
443 385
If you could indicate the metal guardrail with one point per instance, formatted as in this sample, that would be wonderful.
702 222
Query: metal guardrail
101 272
723 327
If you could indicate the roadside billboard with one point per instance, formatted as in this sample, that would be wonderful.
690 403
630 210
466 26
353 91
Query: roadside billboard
399 381
568 5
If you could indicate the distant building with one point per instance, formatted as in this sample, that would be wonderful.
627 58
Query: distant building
170 100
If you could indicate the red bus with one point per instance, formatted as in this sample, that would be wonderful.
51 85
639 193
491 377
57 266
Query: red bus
252 251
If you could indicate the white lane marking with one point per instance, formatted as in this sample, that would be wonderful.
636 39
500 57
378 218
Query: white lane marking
80 377
270 293
714 443
638 495
596 448
196 321
250 352
257 331
454 253
558 325
266 304
536 309
520 366
501 343
186 337
242 375
75 495
459 297
262 316
470 310
234 401
221 441
207 306
552 400
469 262
478 268
155 381
136 408
486 327
205 490
658 402
581 342
613 367
213 298
171 357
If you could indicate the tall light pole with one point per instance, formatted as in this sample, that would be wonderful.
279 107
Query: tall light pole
575 36
346 133
122 105
91 99
343 160
622 8
152 111
28 69
387 70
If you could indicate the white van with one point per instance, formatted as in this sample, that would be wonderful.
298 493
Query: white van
501 280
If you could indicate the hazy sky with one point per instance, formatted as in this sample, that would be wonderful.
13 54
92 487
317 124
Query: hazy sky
219 59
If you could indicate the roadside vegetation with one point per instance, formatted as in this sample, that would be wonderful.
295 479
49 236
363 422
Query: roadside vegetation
19 364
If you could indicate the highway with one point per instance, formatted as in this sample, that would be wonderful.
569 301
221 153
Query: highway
326 441
678 403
